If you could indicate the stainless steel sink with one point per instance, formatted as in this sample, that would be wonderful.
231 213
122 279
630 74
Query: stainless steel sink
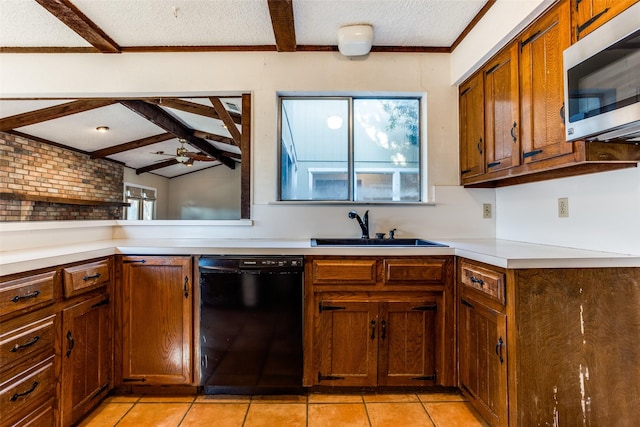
374 242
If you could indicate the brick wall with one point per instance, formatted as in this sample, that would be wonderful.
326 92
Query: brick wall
33 168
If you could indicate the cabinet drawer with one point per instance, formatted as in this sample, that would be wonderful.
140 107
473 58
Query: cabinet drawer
26 293
28 339
487 281
86 277
26 389
346 272
43 416
413 271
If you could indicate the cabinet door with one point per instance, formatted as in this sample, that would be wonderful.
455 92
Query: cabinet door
542 88
591 14
408 341
471 128
87 361
157 320
501 101
483 359
347 343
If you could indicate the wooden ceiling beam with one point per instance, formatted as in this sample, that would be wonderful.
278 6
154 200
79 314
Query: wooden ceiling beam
100 154
284 29
193 107
50 113
226 119
155 166
213 137
164 120
71 16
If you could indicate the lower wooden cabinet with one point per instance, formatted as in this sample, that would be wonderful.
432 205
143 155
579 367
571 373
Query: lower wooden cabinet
156 320
87 356
384 325
482 340
482 358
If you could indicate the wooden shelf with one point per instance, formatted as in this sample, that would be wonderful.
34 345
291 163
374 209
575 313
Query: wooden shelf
58 200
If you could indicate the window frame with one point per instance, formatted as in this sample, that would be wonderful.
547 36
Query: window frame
351 172
141 203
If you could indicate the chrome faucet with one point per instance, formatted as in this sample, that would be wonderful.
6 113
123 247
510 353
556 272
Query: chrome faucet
362 222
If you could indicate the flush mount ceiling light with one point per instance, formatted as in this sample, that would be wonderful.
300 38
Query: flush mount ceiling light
102 129
355 40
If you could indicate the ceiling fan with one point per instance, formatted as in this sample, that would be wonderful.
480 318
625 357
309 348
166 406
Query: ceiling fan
186 157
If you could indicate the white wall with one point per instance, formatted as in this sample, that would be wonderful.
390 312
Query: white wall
265 75
209 194
604 212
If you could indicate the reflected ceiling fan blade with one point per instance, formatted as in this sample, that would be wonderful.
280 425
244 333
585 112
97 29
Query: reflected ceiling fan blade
201 157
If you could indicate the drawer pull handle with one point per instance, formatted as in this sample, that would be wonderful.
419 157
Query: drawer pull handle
32 295
186 287
383 335
94 276
499 349
478 281
17 395
21 346
373 329
71 343
467 303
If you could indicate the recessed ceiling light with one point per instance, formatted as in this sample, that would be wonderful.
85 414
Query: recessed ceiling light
102 128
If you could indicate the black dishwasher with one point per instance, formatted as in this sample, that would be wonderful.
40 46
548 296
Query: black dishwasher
251 324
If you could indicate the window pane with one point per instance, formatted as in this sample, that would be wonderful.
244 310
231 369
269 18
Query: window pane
147 209
386 142
132 209
374 186
409 186
314 146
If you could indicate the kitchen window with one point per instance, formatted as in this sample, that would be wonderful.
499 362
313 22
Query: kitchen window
359 149
142 202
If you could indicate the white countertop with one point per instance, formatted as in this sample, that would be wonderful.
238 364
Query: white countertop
501 253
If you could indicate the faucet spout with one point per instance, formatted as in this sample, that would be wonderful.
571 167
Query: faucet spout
362 222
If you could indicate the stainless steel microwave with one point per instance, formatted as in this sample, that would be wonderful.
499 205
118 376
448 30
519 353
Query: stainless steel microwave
602 82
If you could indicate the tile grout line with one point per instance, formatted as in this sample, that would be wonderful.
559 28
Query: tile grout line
185 414
366 410
427 411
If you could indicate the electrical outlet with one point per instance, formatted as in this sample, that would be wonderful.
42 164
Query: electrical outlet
486 210
563 207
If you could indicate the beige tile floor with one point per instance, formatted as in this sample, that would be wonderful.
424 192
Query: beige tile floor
314 410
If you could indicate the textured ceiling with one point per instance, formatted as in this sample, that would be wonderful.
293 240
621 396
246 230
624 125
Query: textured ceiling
136 23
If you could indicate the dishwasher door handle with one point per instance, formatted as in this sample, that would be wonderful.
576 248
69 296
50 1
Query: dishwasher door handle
213 269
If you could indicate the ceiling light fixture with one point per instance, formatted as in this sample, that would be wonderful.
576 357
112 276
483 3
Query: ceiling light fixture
355 40
102 129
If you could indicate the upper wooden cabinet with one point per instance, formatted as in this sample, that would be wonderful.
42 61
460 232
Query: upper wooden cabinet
156 318
541 85
587 15
501 111
512 112
472 127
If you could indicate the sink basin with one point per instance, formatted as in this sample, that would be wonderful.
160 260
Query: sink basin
374 242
